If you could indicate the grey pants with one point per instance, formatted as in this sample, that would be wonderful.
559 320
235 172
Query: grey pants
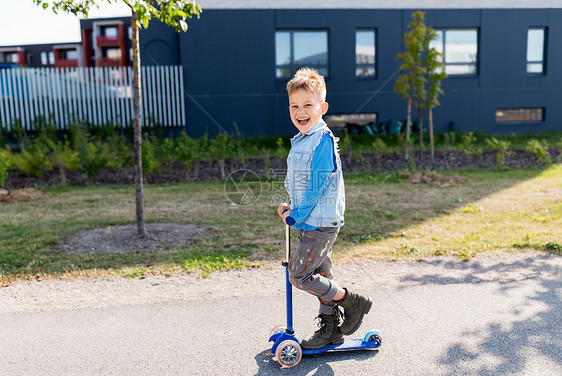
310 267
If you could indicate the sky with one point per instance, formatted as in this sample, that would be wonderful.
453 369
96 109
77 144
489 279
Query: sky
23 22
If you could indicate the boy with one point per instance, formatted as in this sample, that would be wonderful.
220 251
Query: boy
314 182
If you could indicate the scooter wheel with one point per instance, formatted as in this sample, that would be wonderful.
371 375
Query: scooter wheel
277 329
288 353
376 337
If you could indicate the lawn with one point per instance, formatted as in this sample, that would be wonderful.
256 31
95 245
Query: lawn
496 211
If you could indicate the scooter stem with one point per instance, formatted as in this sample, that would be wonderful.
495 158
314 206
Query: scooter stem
289 287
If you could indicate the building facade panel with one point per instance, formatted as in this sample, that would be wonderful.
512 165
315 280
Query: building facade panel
543 98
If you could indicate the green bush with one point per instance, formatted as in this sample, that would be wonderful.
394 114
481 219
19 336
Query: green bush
503 150
540 151
220 149
34 160
467 144
65 159
5 162
379 147
94 158
449 139
185 149
150 161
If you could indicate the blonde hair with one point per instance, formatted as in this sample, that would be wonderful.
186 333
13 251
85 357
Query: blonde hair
308 79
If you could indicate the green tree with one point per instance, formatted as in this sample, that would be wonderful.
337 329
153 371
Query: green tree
411 84
172 12
433 61
423 71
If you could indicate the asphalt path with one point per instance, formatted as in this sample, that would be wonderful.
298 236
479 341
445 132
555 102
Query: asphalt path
498 316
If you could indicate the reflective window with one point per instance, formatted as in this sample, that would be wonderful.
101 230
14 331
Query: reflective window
69 54
365 53
520 115
536 38
51 58
112 53
296 49
44 60
460 50
12 57
110 31
338 120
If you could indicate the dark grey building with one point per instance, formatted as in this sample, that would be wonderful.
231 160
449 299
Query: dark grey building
502 59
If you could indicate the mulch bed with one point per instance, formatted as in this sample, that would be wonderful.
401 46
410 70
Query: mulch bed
355 163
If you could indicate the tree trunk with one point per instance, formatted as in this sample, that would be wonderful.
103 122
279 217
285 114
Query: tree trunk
139 193
408 128
430 120
420 113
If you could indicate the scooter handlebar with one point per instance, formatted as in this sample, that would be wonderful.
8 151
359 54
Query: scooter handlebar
290 221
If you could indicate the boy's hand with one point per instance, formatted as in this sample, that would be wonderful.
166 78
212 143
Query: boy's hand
285 215
282 208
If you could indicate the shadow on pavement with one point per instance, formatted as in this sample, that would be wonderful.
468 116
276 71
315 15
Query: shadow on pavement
527 336
313 365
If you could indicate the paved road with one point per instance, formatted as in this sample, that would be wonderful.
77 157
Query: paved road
500 316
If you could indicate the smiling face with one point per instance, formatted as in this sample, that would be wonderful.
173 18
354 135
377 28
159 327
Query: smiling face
306 109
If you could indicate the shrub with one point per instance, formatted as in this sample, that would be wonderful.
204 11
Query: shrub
34 161
95 158
379 147
503 150
149 157
222 148
184 149
540 151
467 144
449 139
281 150
5 162
65 159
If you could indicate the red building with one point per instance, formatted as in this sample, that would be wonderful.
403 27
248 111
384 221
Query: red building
105 42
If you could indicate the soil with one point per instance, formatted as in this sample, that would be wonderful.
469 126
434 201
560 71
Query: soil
206 170
124 239
23 194
434 178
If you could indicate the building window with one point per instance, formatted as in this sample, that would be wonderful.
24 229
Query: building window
112 53
460 50
44 60
296 49
342 120
51 58
109 31
531 115
365 53
12 57
536 38
68 54
130 32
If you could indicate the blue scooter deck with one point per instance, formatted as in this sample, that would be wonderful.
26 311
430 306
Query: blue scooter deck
348 344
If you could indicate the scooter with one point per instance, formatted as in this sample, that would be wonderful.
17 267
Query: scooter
287 346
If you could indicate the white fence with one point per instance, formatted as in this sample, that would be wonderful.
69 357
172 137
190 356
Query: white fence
99 96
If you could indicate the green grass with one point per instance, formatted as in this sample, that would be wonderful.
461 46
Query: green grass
386 218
